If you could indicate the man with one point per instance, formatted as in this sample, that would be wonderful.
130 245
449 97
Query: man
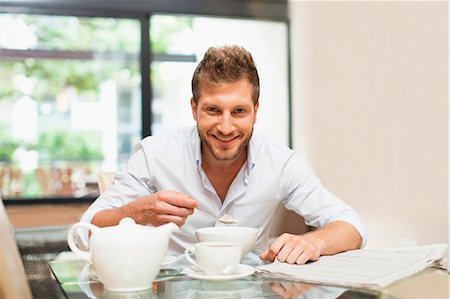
195 176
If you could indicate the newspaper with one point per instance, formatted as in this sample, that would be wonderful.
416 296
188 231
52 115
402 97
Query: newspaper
364 268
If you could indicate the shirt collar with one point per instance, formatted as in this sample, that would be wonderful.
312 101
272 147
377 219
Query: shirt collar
251 153
197 147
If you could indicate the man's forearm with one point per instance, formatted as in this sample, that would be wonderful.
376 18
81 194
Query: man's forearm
335 237
155 209
113 216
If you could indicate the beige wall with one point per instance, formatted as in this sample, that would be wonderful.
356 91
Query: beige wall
369 84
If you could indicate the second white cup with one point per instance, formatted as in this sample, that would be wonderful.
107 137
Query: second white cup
215 258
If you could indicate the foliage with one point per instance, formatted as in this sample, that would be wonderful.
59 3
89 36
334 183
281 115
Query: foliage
163 28
8 146
85 33
96 35
7 149
7 71
53 76
56 145
70 146
30 185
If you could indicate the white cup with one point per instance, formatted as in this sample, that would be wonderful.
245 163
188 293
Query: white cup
215 258
246 236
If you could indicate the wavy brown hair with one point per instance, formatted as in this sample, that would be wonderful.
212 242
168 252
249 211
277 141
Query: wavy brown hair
226 64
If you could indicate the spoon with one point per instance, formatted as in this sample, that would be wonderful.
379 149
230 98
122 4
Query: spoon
227 219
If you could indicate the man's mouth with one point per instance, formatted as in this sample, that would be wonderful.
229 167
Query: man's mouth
225 139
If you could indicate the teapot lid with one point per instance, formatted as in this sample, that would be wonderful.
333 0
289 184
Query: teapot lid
128 222
127 227
129 231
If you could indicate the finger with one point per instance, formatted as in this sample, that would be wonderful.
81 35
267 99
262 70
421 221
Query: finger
171 218
263 255
295 253
179 199
304 257
276 247
301 288
278 288
163 207
285 251
290 289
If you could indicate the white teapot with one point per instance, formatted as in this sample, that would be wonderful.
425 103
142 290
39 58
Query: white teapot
126 257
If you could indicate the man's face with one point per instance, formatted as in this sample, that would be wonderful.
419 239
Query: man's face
225 115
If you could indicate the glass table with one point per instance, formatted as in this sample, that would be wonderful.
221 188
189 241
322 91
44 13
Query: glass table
78 279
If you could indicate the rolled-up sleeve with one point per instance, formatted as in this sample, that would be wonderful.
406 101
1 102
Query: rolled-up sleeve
304 194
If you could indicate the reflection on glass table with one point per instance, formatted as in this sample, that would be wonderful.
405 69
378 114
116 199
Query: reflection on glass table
78 279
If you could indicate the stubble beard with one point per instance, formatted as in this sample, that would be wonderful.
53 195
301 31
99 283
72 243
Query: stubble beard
239 150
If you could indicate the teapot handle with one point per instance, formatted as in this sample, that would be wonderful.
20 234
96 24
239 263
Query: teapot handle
85 255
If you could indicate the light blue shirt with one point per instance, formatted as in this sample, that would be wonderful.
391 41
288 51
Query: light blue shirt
271 175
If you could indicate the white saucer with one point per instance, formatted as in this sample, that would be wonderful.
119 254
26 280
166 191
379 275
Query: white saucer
242 271
168 259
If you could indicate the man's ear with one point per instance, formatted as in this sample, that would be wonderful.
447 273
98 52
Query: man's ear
256 111
194 108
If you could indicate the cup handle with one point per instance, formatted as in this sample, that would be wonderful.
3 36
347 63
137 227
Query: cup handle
187 253
85 255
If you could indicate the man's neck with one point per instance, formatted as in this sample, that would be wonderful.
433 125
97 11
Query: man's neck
211 163
222 173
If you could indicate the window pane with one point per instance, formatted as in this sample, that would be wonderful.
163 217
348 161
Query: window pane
171 96
266 40
69 102
172 34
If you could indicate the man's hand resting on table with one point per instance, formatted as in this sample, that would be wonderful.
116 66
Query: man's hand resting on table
292 249
336 236
156 209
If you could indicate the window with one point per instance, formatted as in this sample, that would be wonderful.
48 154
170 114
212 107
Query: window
75 89
70 102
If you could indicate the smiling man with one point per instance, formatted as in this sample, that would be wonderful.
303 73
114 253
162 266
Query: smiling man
195 176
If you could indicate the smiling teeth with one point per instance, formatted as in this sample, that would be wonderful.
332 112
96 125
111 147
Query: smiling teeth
225 140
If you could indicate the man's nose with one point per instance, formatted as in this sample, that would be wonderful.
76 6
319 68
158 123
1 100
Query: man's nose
225 125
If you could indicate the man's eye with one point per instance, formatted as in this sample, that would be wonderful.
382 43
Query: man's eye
211 109
240 110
